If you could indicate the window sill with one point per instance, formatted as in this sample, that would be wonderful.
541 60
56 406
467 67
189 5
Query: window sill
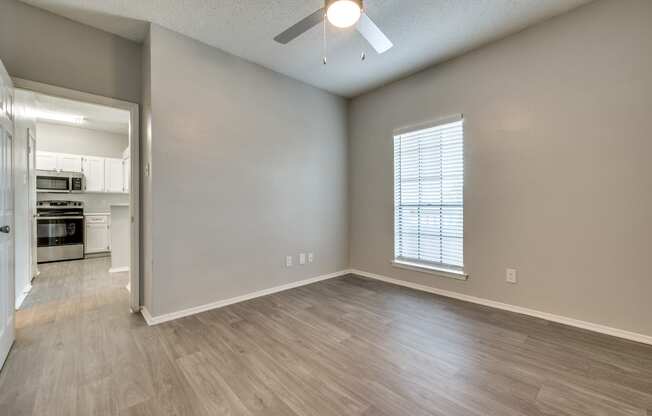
438 271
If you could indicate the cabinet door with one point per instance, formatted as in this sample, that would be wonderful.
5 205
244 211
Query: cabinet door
126 168
69 163
46 161
114 175
97 235
94 173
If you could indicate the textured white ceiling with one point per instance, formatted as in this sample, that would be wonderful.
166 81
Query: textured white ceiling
96 117
424 32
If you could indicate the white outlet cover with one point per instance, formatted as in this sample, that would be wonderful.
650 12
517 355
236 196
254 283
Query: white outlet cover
302 258
311 257
510 276
288 261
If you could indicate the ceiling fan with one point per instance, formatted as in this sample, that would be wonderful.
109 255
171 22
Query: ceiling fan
341 14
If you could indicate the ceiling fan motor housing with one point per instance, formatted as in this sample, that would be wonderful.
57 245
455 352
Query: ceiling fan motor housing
329 2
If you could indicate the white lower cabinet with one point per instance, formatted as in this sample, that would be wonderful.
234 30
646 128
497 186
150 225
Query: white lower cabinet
97 234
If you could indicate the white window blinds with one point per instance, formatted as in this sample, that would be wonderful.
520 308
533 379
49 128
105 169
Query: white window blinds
428 195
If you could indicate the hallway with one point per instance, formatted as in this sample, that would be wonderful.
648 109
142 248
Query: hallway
73 335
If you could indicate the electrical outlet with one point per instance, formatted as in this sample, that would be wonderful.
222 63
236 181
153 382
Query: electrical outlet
311 257
510 276
302 258
288 261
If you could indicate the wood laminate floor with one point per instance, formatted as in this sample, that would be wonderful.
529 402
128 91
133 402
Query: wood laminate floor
346 346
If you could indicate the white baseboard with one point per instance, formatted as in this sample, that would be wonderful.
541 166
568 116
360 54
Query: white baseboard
632 336
119 269
154 320
148 316
21 298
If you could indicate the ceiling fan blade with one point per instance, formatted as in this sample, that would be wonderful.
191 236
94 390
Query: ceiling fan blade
374 36
301 27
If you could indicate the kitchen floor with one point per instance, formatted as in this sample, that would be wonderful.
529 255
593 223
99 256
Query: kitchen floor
345 346
63 284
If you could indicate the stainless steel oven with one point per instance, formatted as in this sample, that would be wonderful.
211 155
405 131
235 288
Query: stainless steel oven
59 230
56 181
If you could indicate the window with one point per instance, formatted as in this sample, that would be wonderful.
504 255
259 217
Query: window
428 197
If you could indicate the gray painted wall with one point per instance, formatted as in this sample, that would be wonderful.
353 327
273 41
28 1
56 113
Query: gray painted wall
248 166
41 46
78 141
558 172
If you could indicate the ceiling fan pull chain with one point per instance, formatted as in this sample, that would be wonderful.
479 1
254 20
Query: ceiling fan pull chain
324 51
363 55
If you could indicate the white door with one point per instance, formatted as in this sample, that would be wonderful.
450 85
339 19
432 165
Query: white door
7 329
114 175
94 172
69 163
46 161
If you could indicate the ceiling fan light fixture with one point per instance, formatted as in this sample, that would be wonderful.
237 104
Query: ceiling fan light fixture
343 13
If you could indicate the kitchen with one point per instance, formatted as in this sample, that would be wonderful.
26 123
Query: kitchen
82 176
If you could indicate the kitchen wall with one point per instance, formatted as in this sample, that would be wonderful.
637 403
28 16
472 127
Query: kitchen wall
41 46
75 140
248 166
558 172
79 141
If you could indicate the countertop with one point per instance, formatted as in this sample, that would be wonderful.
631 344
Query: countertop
106 213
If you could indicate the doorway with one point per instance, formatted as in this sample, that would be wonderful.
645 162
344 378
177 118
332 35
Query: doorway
82 150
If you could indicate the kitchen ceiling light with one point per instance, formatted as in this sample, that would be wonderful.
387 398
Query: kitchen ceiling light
54 116
344 13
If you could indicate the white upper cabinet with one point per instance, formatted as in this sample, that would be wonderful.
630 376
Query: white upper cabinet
56 161
69 163
114 177
109 175
94 173
46 161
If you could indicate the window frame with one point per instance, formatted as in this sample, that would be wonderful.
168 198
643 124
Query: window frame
439 269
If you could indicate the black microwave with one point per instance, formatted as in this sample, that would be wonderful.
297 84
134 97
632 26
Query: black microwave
55 181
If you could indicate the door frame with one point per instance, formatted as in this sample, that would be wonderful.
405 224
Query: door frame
31 203
134 148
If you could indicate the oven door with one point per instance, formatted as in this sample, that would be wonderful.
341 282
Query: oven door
52 183
59 231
